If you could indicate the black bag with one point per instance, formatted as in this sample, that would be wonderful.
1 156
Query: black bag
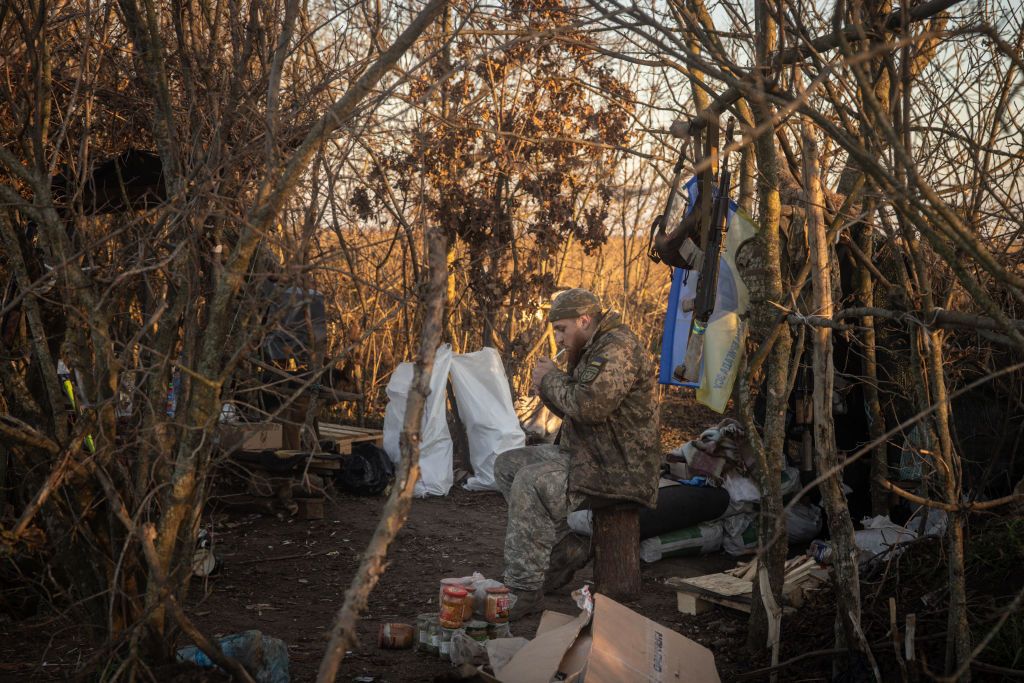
366 471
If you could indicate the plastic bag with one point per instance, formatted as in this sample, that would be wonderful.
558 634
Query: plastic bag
464 649
436 475
500 651
366 471
264 655
740 534
485 407
480 594
880 534
741 489
695 540
803 522
536 419
790 483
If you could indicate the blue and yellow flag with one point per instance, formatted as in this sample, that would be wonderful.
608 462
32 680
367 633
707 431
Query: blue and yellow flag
727 326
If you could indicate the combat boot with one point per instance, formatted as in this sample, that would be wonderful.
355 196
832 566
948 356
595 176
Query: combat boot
527 603
571 554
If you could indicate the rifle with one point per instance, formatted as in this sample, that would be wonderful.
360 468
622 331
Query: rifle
677 248
707 285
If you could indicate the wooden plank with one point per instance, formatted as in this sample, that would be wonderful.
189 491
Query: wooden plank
335 430
345 435
730 591
688 603
328 429
719 584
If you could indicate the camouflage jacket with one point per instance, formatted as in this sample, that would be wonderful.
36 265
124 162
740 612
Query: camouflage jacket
610 417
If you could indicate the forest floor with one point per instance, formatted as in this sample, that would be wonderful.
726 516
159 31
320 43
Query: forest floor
288 578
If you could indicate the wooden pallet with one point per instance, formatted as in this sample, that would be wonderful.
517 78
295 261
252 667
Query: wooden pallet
733 589
344 436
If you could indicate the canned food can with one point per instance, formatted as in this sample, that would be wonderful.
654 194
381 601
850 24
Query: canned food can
395 636
498 631
821 551
477 630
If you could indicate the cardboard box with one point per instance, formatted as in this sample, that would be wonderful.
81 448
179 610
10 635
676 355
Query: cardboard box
252 436
619 646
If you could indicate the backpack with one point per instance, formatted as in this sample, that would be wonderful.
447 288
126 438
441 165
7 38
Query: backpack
366 471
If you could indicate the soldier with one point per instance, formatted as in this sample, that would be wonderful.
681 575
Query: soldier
605 451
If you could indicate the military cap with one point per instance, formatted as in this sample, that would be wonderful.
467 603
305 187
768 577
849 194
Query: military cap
572 303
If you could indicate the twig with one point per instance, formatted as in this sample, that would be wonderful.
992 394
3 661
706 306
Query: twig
948 507
757 673
280 558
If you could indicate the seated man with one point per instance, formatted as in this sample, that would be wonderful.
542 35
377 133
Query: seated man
607 449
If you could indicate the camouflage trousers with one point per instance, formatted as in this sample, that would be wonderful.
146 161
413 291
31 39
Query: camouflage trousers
533 480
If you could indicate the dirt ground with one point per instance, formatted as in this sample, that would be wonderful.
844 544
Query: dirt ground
287 578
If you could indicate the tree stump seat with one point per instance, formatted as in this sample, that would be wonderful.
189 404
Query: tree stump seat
616 539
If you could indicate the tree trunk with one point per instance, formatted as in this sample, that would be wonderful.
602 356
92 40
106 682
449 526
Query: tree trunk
846 572
617 551
864 237
766 289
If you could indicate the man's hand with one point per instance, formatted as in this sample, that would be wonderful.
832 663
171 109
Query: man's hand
541 368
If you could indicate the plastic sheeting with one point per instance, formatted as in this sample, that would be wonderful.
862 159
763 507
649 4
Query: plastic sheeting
485 408
436 475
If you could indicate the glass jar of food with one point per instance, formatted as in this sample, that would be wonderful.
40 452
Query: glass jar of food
444 650
453 605
423 631
445 583
497 606
434 631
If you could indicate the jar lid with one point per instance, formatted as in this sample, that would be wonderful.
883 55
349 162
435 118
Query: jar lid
455 591
498 589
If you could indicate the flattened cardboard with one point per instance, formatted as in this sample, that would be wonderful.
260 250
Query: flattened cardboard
621 646
574 662
539 659
630 647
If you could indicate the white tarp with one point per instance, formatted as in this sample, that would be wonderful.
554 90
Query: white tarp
435 442
485 408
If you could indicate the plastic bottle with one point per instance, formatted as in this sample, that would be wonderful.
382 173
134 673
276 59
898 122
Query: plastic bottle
266 657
